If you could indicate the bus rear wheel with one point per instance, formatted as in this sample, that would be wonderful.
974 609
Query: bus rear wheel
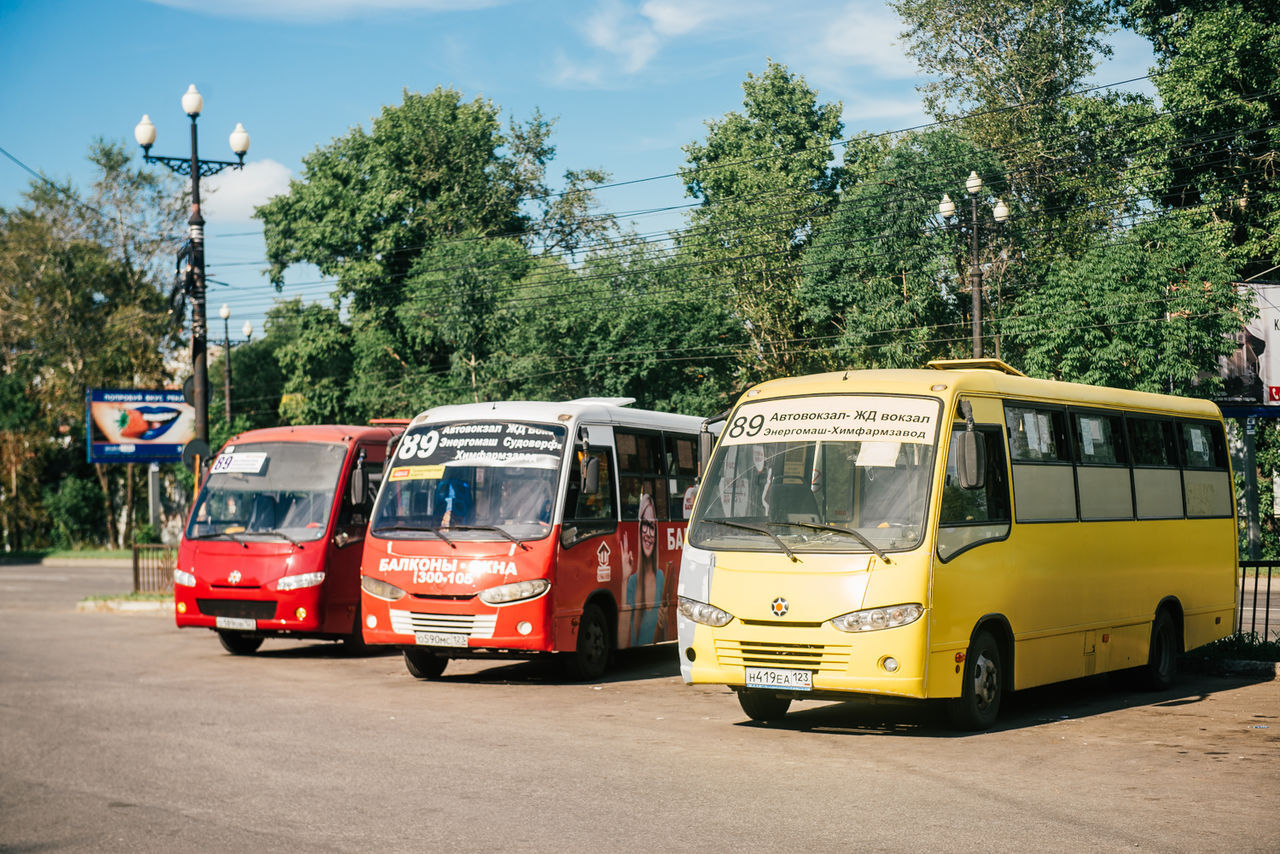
763 706
983 687
424 665
1162 656
590 659
238 643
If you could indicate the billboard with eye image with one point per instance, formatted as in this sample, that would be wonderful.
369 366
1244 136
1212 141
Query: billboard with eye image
129 426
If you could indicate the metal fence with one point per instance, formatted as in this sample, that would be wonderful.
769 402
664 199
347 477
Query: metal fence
1255 603
153 568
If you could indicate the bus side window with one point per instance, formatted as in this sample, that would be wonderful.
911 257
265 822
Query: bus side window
588 514
1205 483
970 517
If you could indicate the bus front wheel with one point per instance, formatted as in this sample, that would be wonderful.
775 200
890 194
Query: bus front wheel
983 687
424 665
237 643
1162 656
763 706
590 658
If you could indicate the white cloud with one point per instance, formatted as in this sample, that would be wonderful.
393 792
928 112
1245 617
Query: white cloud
305 11
673 18
231 195
618 30
575 75
866 35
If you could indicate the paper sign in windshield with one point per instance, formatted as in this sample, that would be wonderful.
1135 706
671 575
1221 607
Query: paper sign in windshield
416 473
245 462
835 418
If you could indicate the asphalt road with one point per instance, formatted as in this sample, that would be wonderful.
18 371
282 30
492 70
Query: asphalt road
122 733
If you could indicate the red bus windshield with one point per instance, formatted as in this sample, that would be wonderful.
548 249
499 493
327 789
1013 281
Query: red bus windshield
476 480
269 489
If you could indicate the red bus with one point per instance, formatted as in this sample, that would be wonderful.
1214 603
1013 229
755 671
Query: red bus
514 529
272 546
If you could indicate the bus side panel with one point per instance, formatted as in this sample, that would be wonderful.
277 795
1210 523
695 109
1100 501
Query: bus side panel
985 580
582 569
1080 597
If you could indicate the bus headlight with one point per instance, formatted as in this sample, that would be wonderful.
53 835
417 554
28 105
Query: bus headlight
515 592
184 579
297 582
701 612
381 589
873 619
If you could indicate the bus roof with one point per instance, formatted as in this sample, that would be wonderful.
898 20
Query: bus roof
594 410
948 378
335 433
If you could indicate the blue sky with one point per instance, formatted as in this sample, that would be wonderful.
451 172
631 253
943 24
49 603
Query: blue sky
629 81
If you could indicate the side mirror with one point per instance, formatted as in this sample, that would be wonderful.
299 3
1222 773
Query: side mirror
342 539
705 443
590 475
971 459
359 481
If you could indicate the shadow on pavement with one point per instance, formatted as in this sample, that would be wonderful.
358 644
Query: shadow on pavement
1079 698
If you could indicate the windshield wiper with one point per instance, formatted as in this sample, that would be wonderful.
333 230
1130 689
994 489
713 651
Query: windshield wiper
281 534
215 534
817 526
426 529
759 529
502 531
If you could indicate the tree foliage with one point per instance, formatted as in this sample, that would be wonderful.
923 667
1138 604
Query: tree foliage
428 221
765 178
82 305
1217 62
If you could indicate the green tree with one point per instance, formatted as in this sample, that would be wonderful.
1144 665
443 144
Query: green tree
1216 64
627 323
884 283
1151 308
317 366
75 507
766 180
257 378
401 213
81 306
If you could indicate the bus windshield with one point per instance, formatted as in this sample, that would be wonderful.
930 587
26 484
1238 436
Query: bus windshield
283 490
471 481
830 474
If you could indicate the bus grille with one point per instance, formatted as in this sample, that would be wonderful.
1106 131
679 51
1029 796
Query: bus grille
472 625
244 608
800 656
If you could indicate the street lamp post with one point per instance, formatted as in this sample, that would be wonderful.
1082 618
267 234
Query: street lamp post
225 314
1000 211
145 134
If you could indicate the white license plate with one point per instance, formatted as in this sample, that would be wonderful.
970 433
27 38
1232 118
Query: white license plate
438 639
785 680
240 623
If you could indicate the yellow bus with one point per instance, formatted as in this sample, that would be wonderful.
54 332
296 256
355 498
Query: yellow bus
953 532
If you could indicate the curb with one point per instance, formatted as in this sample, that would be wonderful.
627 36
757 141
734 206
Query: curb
108 562
1231 667
124 606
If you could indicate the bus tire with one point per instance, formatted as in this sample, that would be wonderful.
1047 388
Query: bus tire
424 665
982 688
763 706
1162 655
238 643
590 659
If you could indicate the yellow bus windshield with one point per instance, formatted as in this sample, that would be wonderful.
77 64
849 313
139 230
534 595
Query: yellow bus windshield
839 473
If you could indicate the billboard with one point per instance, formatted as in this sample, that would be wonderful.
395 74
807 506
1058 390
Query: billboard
129 426
1251 375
